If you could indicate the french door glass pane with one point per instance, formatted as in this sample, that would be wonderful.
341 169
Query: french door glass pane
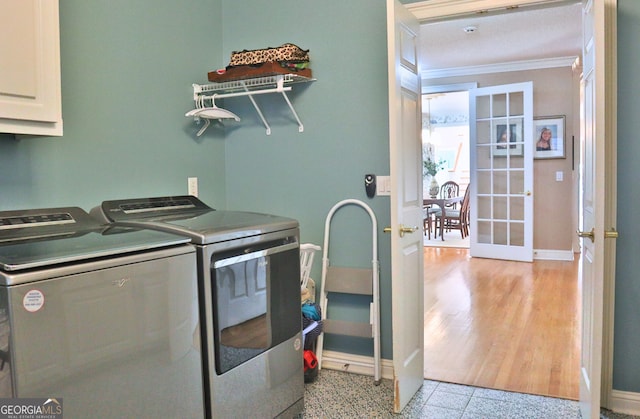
500 182
484 232
483 132
483 107
516 208
517 234
499 105
516 182
484 207
483 156
483 183
500 208
516 103
500 233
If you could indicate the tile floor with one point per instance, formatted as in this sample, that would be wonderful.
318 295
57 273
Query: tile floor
336 394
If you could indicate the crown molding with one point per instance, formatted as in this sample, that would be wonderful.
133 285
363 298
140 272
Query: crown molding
442 9
499 68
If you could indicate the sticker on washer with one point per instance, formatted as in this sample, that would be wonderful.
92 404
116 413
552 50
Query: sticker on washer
33 301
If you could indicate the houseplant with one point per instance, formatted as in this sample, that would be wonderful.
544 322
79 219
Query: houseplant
431 168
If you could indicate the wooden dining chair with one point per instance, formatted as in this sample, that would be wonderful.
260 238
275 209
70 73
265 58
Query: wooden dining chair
450 189
427 220
454 219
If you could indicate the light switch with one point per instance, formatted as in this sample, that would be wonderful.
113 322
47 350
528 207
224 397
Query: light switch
383 186
559 176
192 186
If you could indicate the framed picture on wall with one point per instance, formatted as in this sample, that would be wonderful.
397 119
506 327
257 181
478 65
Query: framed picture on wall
548 137
508 139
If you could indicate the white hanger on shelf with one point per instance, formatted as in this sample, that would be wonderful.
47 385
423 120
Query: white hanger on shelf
209 113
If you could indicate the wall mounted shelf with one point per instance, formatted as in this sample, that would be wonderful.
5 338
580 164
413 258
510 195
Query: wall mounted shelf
280 83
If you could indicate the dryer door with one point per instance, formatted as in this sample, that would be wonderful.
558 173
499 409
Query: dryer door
256 300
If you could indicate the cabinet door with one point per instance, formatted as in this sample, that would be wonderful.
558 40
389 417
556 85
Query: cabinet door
30 98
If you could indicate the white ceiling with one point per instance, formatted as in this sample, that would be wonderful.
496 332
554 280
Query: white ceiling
522 35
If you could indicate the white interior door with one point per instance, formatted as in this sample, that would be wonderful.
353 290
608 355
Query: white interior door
501 148
406 203
591 264
598 194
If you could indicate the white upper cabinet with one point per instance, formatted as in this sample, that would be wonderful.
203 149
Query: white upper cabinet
30 96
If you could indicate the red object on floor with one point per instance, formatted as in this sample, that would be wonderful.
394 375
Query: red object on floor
310 360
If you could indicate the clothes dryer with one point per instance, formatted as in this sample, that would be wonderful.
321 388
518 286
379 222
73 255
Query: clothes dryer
249 283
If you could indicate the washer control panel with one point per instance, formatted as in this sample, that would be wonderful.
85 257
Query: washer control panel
39 220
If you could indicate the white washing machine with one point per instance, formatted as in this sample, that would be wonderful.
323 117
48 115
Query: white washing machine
104 320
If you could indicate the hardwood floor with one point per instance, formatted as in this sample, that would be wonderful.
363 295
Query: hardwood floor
503 325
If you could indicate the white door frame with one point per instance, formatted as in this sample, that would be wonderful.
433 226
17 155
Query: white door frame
446 8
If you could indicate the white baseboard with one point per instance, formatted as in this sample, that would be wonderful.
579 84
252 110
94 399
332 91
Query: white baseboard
625 402
357 364
545 254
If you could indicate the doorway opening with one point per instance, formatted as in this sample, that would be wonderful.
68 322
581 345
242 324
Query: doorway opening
431 139
445 140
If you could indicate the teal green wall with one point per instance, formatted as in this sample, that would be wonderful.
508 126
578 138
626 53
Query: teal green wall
127 70
345 136
626 368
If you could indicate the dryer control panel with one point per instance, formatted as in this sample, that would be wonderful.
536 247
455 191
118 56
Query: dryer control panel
128 209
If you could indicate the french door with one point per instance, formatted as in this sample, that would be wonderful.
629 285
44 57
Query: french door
502 171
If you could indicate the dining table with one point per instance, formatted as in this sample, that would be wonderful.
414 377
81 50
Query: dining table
442 203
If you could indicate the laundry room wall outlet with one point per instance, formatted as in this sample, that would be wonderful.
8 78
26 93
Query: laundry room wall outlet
192 184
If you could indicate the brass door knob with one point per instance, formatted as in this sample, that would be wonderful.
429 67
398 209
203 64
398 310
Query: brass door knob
403 230
590 234
611 234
